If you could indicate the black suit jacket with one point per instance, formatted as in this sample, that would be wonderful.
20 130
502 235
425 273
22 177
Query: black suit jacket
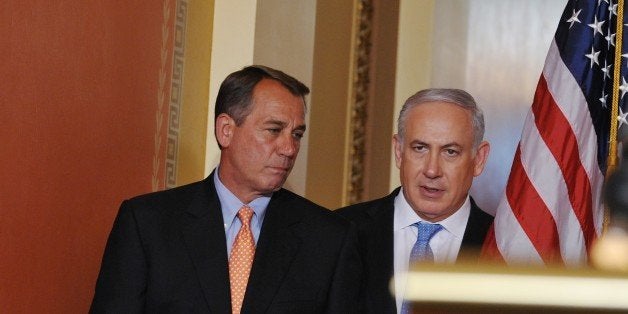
374 220
167 253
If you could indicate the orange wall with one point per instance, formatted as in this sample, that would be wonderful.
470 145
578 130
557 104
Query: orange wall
78 100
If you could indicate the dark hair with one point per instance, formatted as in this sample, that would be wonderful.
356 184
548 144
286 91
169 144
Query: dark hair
236 91
449 95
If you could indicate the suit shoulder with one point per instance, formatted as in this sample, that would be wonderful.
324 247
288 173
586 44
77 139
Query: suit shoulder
365 210
178 197
311 210
289 196
355 211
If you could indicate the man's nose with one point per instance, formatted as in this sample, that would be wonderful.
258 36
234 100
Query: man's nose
289 146
432 166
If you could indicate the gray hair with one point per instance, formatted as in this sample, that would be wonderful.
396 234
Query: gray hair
449 95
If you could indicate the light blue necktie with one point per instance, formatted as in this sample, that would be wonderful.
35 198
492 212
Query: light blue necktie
421 251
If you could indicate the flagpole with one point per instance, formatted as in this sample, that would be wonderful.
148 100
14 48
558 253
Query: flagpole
611 161
612 149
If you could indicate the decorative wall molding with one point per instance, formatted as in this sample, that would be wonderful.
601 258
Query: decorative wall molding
359 106
176 94
161 97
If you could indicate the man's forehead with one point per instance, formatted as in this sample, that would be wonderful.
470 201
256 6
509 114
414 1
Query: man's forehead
439 130
439 113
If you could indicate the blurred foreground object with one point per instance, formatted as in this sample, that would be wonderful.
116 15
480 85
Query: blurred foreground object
446 289
610 252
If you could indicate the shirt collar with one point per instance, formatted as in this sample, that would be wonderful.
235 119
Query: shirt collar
230 204
405 216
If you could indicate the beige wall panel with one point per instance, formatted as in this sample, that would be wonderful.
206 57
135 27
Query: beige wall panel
328 142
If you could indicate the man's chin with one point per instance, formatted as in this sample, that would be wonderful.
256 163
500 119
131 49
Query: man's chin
433 211
275 184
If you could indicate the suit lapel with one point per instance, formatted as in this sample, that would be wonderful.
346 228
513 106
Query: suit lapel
477 226
279 241
204 237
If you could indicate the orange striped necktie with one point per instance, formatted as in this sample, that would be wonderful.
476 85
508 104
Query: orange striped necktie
241 259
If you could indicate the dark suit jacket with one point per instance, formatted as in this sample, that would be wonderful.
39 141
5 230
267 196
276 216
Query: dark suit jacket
167 253
374 220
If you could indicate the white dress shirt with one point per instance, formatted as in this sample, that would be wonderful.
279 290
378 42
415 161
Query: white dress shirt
445 244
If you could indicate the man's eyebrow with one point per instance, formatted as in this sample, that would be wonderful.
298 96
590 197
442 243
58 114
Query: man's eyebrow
283 124
447 145
452 145
276 122
419 142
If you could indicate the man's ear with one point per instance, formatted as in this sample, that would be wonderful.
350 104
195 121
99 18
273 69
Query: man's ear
397 143
481 157
224 129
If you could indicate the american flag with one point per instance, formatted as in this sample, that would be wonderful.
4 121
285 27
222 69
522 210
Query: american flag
552 210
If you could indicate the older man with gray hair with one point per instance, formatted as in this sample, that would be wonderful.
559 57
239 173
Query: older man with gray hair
439 149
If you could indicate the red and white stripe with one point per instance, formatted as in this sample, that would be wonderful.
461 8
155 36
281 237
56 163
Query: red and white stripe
552 208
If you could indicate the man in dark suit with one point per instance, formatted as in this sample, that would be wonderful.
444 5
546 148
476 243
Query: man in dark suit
439 149
235 242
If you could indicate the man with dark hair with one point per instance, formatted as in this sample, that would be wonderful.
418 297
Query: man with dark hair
439 148
235 242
